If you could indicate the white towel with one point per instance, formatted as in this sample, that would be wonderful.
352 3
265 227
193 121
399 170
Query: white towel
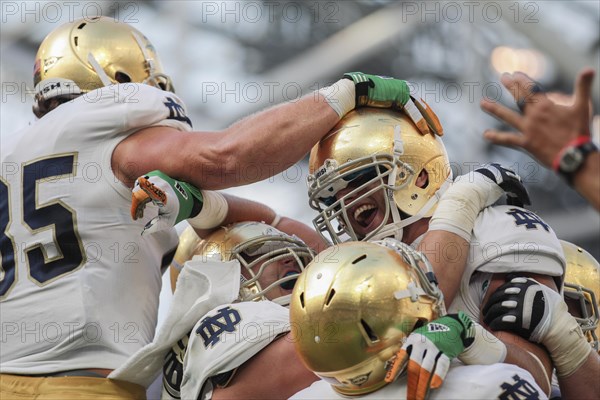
202 285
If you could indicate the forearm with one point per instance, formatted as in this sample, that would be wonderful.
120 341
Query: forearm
583 383
276 372
239 210
587 180
528 356
447 252
271 141
304 232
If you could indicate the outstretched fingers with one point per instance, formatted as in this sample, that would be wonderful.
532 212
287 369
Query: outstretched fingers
503 113
583 89
503 138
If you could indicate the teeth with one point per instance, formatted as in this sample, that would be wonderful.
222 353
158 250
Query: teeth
362 209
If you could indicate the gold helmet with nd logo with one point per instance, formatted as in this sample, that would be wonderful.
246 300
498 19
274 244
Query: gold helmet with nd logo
375 173
582 290
354 305
90 53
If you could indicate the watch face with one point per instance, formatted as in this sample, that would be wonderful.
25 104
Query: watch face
571 160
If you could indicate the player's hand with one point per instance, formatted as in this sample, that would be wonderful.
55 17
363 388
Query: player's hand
544 127
379 91
175 200
539 314
428 351
509 181
387 92
525 307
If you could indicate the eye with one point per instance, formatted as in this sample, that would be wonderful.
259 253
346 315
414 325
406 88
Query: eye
328 201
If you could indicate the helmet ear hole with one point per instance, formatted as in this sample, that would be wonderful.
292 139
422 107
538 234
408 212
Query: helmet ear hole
419 324
423 179
372 336
122 77
330 297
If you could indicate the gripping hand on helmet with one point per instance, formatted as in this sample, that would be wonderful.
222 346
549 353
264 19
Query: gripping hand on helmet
379 91
175 200
387 92
427 352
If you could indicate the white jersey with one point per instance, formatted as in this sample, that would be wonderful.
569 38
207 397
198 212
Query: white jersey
496 381
506 239
225 338
79 285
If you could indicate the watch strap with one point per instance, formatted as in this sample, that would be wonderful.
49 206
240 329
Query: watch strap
582 144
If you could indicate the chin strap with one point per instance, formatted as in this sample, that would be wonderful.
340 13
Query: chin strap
101 74
396 228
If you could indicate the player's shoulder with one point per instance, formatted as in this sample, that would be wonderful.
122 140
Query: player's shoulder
135 106
512 224
510 238
511 215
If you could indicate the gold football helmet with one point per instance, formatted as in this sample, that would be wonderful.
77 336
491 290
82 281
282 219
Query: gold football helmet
88 54
257 247
582 290
353 306
375 150
188 242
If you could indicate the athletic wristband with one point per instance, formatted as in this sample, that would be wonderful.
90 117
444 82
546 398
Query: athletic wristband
340 96
213 213
275 221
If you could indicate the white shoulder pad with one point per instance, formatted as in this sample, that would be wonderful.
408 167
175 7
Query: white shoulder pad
148 106
508 239
228 336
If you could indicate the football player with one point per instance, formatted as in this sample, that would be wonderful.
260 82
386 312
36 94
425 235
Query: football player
229 345
79 285
376 176
350 319
486 351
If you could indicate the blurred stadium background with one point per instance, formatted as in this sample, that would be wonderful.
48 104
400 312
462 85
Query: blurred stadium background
228 59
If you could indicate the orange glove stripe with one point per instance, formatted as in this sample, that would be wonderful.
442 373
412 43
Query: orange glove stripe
414 372
423 386
153 191
396 366
139 200
436 382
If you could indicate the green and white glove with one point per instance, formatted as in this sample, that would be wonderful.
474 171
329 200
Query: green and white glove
379 91
428 351
386 92
176 200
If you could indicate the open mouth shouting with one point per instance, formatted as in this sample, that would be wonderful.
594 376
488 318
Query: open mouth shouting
365 217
